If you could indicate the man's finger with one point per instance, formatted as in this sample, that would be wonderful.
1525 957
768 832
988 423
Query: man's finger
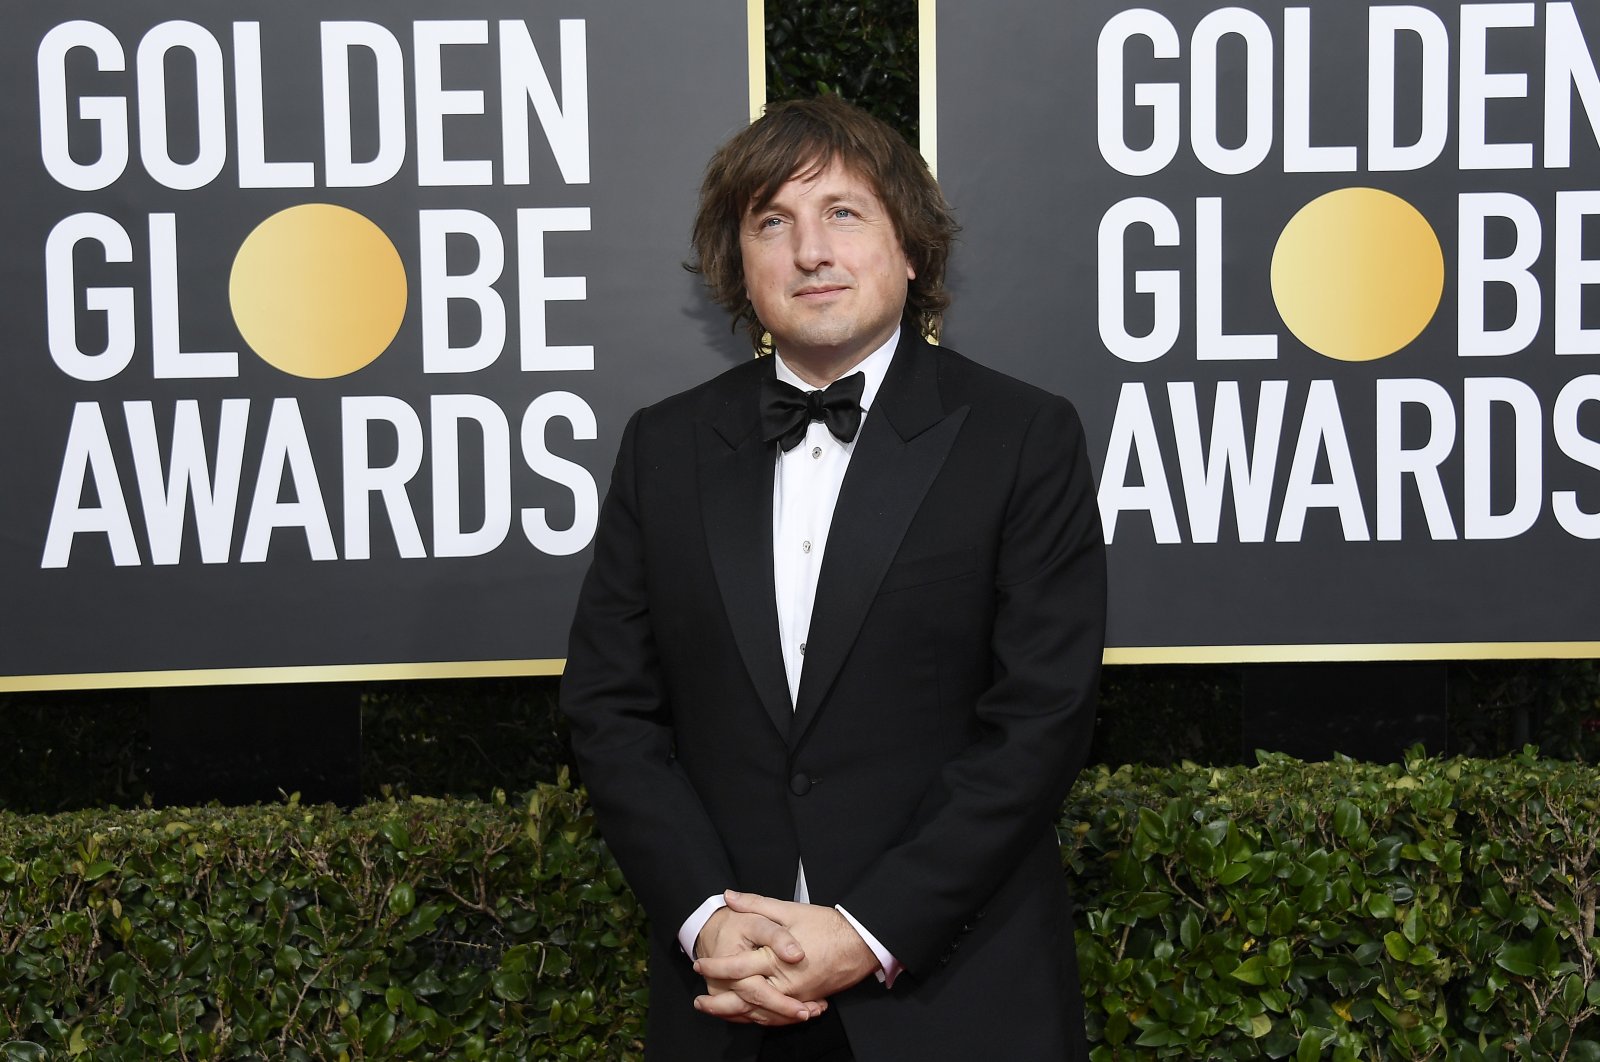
721 988
718 986
725 1005
728 930
758 962
779 911
763 995
764 932
755 997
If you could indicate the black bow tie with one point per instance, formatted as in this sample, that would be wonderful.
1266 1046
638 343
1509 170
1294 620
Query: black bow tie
786 411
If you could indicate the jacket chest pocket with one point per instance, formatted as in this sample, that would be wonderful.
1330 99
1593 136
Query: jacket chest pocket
924 571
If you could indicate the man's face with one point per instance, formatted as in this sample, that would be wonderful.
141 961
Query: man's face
824 269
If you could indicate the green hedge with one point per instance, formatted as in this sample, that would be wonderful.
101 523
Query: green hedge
865 52
1432 909
425 929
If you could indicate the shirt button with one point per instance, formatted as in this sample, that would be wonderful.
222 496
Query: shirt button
816 452
805 547
802 648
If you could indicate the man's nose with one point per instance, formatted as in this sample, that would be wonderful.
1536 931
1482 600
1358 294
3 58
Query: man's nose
812 248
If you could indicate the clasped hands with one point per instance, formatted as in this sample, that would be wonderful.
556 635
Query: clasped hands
775 962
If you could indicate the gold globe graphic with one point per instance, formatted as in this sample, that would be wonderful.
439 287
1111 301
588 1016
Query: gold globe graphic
1357 274
318 291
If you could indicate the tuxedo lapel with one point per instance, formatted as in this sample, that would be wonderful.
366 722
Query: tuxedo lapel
903 444
735 476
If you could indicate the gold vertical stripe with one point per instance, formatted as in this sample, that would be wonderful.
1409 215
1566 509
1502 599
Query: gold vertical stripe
927 89
756 45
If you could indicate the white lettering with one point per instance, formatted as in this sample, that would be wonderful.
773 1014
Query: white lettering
448 412
439 287
1581 449
89 452
1567 66
1395 461
362 478
1160 284
1385 24
108 113
209 109
1161 97
1475 272
254 169
1478 87
1574 272
166 496
1481 394
1322 431
434 102
61 312
565 125
338 38
1299 156
585 498
286 448
1133 430
1227 459
1211 344
535 289
1257 37
171 362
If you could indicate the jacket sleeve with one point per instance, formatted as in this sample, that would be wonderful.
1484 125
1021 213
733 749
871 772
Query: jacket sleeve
1033 724
622 732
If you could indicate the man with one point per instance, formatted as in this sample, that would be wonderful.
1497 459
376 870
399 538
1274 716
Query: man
838 648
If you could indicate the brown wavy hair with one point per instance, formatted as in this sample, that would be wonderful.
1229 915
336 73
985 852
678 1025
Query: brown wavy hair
801 137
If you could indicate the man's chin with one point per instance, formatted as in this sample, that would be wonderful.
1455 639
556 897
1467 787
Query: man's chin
813 341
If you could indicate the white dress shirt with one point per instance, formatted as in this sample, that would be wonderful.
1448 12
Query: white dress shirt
805 488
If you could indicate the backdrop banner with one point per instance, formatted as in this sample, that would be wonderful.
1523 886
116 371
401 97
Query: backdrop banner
1324 281
323 322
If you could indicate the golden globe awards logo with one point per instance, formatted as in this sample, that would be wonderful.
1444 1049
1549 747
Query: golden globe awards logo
317 290
1437 259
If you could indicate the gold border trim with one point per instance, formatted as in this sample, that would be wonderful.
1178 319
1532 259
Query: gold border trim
756 48
927 84
245 676
1331 653
1143 654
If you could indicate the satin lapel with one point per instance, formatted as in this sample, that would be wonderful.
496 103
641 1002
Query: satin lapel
735 473
903 444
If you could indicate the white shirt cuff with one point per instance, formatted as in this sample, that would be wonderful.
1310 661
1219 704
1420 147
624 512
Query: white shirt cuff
888 966
689 932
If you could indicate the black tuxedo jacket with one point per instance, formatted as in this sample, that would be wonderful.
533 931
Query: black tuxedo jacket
944 709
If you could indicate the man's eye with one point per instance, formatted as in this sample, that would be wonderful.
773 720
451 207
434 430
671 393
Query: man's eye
771 223
844 212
